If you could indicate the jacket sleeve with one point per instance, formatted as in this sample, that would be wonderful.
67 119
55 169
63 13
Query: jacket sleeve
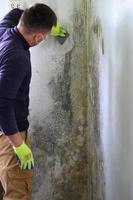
12 73
11 19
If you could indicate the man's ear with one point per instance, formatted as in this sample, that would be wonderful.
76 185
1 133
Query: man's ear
38 37
41 36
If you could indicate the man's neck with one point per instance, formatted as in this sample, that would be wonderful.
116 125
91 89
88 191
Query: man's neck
21 30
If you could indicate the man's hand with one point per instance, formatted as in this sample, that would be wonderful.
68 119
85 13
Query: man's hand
58 30
25 156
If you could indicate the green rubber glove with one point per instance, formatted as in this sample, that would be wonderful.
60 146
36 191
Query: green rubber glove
58 30
25 156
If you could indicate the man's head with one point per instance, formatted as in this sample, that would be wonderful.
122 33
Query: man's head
36 22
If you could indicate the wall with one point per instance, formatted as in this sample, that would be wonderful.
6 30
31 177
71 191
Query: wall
116 97
95 52
64 110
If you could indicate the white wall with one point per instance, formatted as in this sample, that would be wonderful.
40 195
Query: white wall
4 8
116 84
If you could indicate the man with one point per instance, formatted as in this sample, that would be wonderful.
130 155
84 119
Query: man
19 30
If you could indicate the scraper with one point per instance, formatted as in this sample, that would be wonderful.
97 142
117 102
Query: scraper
60 33
62 39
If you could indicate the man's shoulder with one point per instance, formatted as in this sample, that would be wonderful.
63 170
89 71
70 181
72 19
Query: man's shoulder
10 55
9 45
11 19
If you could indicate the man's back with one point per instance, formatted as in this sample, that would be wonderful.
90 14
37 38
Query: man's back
15 75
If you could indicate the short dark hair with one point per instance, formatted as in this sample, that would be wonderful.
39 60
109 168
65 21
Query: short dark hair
38 17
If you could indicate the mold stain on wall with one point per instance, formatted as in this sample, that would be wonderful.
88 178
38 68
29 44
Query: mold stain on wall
67 141
95 47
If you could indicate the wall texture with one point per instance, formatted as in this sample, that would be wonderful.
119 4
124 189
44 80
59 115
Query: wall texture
65 110
95 50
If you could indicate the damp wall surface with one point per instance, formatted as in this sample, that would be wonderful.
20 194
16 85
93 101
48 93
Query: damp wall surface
64 107
116 94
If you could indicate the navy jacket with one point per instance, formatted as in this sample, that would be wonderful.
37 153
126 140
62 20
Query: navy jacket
15 75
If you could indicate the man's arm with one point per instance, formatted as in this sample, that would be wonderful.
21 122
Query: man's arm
11 19
12 73
13 70
16 139
7 116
